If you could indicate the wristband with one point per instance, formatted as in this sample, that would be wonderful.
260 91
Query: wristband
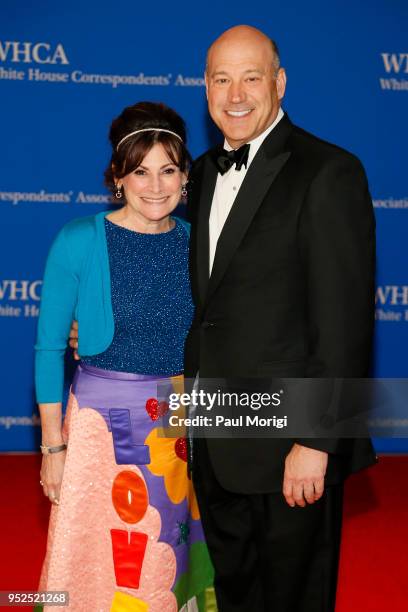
48 450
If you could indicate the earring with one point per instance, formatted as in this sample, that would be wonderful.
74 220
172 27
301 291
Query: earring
118 193
184 191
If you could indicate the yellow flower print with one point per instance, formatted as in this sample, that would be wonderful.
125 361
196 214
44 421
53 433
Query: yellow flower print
169 459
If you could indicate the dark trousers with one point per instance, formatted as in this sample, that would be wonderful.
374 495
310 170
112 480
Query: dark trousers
268 557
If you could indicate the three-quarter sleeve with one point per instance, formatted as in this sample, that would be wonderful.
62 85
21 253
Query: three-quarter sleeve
58 303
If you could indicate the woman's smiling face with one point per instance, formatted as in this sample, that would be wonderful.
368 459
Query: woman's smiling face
153 189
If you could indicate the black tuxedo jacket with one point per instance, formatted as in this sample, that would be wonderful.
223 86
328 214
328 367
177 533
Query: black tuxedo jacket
291 292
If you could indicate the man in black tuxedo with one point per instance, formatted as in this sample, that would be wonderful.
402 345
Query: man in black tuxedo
282 269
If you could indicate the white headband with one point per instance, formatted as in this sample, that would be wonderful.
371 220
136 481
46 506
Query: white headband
147 130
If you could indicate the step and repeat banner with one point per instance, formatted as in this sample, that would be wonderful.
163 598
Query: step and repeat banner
68 68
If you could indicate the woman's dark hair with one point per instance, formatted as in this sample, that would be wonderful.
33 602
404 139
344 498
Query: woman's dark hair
133 150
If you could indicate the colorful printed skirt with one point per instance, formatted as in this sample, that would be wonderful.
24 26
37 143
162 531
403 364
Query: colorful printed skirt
126 535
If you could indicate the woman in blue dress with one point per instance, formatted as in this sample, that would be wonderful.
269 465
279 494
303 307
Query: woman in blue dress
125 531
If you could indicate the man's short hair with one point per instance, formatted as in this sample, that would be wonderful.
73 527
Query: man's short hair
276 55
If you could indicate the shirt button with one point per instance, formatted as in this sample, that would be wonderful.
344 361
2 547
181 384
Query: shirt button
234 188
207 324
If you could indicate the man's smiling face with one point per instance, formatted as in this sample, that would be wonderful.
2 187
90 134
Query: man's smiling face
243 88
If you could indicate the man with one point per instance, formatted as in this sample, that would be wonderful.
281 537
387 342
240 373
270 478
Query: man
282 271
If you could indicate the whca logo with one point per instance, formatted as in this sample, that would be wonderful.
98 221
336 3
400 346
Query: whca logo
396 69
20 290
20 298
395 62
32 52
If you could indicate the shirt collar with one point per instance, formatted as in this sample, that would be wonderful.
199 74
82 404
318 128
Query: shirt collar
256 142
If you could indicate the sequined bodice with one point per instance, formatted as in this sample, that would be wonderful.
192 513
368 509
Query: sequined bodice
151 301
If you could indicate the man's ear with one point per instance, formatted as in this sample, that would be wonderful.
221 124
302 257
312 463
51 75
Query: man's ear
206 83
281 83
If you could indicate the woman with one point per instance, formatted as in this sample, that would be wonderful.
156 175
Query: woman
124 529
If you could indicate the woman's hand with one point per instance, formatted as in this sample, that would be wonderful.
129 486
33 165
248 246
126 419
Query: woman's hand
73 339
52 469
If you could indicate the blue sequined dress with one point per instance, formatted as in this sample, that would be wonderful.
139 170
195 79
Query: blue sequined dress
151 301
127 532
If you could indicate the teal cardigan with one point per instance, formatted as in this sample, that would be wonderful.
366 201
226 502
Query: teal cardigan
76 286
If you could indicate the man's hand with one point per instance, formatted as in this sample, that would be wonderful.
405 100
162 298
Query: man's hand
303 480
73 339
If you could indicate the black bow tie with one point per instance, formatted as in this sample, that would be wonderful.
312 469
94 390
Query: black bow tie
224 160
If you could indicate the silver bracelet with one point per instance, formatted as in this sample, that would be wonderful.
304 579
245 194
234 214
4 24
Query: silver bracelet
48 450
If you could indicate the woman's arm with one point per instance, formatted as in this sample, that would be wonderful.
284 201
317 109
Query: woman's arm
52 467
58 302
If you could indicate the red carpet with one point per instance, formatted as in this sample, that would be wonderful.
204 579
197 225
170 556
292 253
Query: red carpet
374 559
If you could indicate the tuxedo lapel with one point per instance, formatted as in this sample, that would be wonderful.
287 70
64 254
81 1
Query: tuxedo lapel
262 172
207 187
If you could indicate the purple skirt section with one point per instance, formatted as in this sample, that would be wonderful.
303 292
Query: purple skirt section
112 375
121 399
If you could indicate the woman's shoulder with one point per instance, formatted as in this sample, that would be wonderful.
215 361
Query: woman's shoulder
82 228
76 239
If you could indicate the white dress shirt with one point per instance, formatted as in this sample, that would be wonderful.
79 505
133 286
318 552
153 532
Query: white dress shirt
227 187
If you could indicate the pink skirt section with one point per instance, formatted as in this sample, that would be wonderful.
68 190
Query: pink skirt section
106 513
